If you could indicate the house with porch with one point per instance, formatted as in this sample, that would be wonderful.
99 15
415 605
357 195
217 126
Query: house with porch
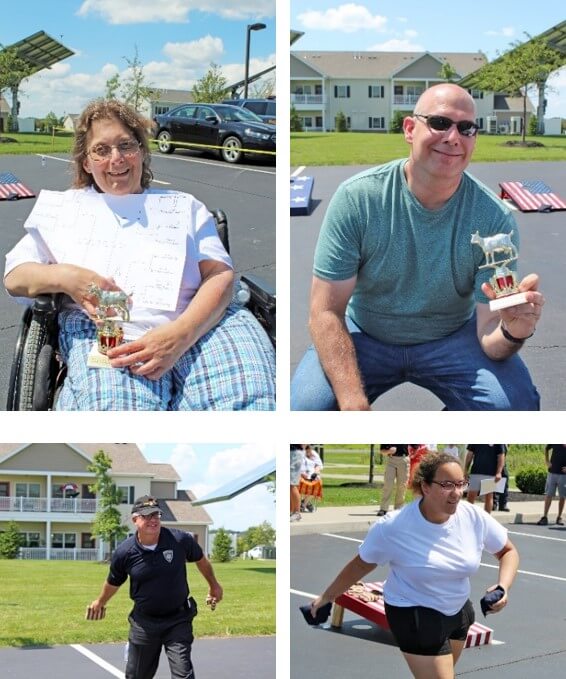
44 488
370 88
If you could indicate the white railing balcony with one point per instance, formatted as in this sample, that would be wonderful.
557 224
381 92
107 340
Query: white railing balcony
59 554
405 99
41 505
308 99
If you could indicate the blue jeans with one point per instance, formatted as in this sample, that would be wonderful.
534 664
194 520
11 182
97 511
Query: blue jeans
454 368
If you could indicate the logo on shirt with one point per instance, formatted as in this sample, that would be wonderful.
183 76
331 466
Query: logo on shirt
168 555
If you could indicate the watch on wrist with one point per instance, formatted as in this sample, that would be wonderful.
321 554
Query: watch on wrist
508 336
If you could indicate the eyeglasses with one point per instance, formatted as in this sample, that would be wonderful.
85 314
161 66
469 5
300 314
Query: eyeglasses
155 515
452 485
466 128
100 152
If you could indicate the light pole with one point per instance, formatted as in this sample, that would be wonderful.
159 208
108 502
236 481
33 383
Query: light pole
251 27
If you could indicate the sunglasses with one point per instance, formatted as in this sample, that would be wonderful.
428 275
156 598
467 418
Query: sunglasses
466 128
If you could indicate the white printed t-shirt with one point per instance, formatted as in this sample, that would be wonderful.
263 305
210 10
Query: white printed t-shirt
201 243
431 563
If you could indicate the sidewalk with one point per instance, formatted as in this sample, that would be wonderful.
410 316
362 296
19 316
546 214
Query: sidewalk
359 519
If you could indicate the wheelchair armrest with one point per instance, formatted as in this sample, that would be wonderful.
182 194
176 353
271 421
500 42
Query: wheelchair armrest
222 227
262 303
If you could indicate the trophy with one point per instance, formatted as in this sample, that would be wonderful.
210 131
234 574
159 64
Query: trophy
503 281
112 310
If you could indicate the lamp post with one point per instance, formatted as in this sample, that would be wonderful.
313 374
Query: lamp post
251 27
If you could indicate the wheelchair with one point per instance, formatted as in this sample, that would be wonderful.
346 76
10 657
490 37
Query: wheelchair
38 370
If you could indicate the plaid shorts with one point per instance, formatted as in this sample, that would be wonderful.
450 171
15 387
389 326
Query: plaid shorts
232 367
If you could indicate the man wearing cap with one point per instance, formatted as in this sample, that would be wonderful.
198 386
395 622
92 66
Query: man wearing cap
154 558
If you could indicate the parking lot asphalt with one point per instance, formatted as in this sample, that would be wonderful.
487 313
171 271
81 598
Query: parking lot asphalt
246 193
528 633
233 658
543 248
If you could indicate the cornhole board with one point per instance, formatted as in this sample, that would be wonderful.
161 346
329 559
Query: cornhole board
11 188
532 196
301 195
374 611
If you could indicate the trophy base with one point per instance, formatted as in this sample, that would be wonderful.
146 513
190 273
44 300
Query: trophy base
508 301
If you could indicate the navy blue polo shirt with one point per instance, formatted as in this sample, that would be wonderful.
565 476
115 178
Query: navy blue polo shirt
557 458
158 579
485 458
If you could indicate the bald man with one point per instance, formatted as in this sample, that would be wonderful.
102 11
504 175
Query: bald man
397 293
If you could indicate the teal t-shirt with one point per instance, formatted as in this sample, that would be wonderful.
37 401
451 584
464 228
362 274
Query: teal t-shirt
418 276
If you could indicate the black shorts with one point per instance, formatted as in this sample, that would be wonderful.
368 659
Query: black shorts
426 631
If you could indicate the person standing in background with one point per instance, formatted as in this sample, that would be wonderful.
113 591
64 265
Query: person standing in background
396 471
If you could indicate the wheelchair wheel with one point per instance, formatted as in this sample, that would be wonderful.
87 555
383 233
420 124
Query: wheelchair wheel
34 342
45 383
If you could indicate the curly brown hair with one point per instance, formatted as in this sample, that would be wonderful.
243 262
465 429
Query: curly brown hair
428 467
108 109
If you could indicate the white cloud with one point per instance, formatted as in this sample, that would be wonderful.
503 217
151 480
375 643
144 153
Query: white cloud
174 11
396 45
196 52
505 32
233 462
347 18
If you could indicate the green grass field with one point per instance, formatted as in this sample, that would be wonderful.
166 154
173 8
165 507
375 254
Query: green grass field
364 148
44 602
344 491
28 143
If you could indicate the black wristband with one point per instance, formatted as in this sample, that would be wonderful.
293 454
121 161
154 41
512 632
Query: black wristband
509 336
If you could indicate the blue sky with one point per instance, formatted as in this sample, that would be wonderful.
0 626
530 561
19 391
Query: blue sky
417 25
176 39
205 467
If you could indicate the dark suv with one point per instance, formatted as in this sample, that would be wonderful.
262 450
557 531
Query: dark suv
230 130
264 108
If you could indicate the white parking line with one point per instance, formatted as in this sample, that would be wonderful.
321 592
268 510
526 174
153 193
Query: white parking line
225 166
298 171
538 537
43 155
98 661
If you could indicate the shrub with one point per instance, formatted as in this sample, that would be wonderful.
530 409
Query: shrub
296 121
397 121
341 122
533 123
531 480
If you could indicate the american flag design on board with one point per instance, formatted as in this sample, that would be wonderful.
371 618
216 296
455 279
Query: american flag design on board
532 196
11 188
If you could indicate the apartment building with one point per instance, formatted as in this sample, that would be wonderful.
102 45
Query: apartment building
44 488
369 88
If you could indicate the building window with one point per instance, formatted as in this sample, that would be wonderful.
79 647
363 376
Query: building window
318 89
342 91
307 121
64 540
397 89
376 91
318 121
87 541
128 494
377 123
476 94
29 539
479 121
27 490
415 90
161 109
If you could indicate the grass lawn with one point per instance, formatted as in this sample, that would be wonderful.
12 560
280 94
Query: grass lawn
44 602
366 148
343 491
28 143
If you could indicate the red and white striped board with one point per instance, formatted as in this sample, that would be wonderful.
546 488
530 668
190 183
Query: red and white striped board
11 188
374 611
532 196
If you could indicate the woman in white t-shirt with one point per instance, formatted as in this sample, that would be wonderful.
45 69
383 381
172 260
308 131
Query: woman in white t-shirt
191 348
433 546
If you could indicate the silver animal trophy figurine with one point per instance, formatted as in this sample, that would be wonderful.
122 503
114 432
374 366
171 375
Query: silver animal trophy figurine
112 309
503 281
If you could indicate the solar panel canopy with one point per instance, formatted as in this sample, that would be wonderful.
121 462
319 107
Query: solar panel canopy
239 484
41 51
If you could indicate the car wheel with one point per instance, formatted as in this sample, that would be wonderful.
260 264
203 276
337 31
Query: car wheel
232 150
164 142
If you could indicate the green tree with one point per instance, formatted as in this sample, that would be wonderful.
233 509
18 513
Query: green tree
113 86
516 72
222 546
51 121
134 88
262 89
397 121
10 541
447 72
211 87
264 534
107 523
533 126
13 70
341 122
296 121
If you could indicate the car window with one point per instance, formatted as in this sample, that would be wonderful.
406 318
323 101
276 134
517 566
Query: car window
271 108
185 112
258 107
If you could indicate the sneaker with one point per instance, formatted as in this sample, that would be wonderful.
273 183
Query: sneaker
382 512
543 521
310 507
504 509
295 516
559 521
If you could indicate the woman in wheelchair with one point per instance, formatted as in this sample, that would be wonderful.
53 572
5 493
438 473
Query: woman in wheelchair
206 353
310 485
